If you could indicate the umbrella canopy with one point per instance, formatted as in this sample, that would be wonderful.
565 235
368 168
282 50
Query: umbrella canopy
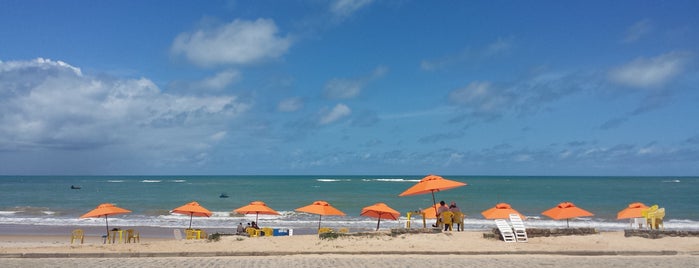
321 208
380 211
192 209
430 212
500 211
257 207
431 184
105 210
566 210
634 210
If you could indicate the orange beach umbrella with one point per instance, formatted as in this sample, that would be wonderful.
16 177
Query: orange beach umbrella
192 209
431 184
105 210
634 210
321 208
430 212
500 211
380 211
257 207
566 210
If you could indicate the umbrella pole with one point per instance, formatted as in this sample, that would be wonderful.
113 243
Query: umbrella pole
567 223
257 215
434 203
319 219
378 223
190 219
107 222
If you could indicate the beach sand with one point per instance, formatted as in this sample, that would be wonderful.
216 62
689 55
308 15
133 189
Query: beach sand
455 249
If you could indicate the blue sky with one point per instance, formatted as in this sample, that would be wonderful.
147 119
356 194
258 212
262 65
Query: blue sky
349 87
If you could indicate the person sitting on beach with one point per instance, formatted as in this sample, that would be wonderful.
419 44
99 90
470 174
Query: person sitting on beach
241 229
442 208
453 207
458 218
254 225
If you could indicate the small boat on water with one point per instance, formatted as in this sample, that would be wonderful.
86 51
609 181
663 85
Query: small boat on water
75 187
223 195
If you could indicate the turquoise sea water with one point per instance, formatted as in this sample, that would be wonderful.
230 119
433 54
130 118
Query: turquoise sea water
50 201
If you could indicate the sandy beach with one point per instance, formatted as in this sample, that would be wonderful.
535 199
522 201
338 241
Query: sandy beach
407 250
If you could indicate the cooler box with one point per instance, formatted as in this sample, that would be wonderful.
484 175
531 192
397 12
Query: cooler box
280 232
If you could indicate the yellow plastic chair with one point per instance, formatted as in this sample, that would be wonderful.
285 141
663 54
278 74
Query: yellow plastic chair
76 235
343 230
447 219
132 234
458 220
325 230
190 234
268 231
252 232
203 234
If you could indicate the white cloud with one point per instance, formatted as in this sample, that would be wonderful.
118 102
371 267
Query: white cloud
62 109
345 8
500 46
345 88
239 42
220 80
638 30
338 112
481 98
339 88
290 105
218 136
470 55
652 72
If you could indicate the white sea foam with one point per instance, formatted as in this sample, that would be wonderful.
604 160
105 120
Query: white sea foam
303 220
395 180
115 181
179 181
332 180
151 181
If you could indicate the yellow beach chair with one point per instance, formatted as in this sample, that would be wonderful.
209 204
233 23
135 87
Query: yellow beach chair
76 235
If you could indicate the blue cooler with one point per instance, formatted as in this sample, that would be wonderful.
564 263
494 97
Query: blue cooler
280 232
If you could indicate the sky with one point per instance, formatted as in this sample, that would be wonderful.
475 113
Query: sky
349 87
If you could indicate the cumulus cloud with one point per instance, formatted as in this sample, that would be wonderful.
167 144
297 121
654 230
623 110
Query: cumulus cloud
336 113
650 72
238 42
220 80
50 105
345 8
290 105
348 88
638 30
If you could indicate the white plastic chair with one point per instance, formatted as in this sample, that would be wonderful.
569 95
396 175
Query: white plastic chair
178 234
518 227
505 230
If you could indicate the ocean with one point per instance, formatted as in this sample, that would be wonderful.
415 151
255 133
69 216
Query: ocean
49 201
